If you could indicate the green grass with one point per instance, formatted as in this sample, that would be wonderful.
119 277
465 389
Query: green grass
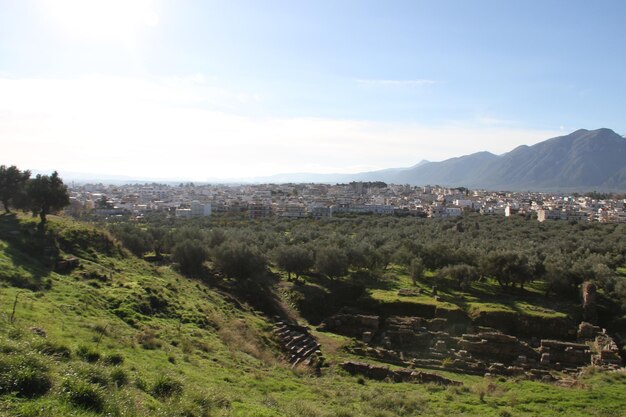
182 349
483 297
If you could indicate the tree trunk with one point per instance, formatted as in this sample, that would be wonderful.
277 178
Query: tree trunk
6 206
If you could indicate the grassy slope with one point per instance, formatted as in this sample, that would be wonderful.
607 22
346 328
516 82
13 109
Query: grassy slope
482 297
220 355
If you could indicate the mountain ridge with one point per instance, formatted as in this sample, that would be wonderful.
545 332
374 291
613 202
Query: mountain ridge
582 160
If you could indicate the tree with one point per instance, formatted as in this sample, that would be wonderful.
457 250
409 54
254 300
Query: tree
45 195
239 260
507 268
190 256
135 239
463 274
332 262
12 182
293 259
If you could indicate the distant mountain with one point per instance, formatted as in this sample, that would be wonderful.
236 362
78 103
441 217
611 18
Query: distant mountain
582 160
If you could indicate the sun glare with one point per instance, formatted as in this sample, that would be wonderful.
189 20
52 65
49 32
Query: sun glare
119 20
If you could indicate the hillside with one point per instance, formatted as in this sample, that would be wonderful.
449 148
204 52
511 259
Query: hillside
90 330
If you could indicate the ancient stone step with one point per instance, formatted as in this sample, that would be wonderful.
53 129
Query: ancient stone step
300 347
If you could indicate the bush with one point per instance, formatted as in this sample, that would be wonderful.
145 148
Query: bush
93 374
88 354
83 394
47 347
113 359
148 340
165 387
119 377
26 376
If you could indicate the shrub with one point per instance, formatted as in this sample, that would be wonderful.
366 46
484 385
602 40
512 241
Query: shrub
165 387
50 348
148 340
7 347
113 359
93 374
400 404
83 394
26 376
141 384
119 377
88 354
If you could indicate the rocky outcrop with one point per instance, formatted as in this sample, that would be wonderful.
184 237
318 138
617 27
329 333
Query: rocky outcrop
381 373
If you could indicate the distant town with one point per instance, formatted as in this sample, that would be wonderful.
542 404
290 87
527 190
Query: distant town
187 200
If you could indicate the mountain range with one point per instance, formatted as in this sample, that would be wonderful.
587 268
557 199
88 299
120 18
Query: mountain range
582 160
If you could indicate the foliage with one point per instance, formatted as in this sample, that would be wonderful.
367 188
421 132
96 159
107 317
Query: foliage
293 259
12 183
46 194
221 347
507 268
416 269
26 376
190 256
135 239
463 274
83 394
239 260
332 262
88 353
166 386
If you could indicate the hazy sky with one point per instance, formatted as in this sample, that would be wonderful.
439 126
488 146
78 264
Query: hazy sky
230 88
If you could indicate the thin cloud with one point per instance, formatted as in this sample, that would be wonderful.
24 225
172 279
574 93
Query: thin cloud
408 83
155 129
487 120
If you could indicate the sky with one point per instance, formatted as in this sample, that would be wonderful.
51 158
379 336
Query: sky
201 90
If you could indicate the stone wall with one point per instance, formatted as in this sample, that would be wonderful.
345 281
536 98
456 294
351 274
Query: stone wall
354 325
381 373
497 347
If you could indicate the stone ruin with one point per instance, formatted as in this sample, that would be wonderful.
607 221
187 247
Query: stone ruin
564 356
299 345
381 373
417 342
354 325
